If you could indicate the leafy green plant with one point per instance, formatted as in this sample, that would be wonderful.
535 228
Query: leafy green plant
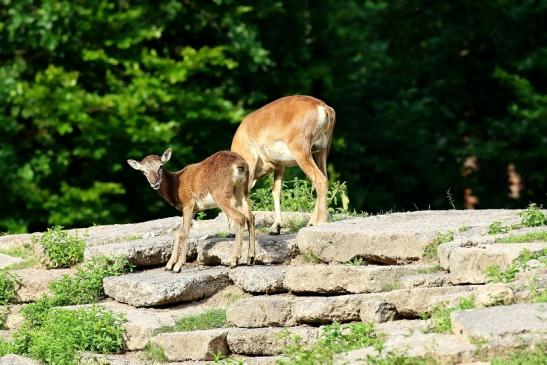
3 314
64 333
464 228
497 227
533 216
212 318
496 274
62 248
294 224
154 353
8 281
440 315
336 338
297 195
85 286
523 238
430 251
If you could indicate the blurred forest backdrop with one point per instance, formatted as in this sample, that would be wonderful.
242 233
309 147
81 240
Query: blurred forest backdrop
435 100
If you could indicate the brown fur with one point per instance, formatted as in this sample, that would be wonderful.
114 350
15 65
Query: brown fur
295 121
224 175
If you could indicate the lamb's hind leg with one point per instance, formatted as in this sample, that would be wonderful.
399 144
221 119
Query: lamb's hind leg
239 220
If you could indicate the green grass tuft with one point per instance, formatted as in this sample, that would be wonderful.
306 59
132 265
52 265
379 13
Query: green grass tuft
430 270
212 318
528 357
533 216
525 237
440 316
62 248
310 257
154 353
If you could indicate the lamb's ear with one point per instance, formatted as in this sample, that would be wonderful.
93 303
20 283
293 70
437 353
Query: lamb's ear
166 155
135 164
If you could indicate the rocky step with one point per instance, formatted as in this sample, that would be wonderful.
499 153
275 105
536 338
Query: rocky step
468 265
7 260
157 287
202 244
323 279
393 238
285 310
139 358
32 284
143 323
478 334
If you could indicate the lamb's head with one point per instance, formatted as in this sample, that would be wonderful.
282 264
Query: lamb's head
152 167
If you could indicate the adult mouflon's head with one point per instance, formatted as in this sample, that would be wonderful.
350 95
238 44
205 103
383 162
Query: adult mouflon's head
152 167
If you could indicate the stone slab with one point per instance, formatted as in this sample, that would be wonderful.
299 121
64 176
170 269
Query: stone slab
523 323
12 359
468 265
34 283
158 287
152 251
393 238
262 311
342 279
7 260
268 250
431 280
259 279
192 345
268 341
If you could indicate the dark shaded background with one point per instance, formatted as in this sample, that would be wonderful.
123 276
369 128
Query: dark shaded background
439 104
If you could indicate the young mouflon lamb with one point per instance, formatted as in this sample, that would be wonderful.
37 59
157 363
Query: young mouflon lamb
221 180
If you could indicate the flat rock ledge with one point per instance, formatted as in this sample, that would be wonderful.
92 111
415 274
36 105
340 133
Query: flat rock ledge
192 345
6 260
34 283
393 238
268 250
157 287
286 310
468 265
509 326
259 279
152 251
342 279
268 341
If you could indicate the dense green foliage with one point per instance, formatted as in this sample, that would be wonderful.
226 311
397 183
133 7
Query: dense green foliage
418 87
336 338
62 249
521 263
64 333
7 287
440 316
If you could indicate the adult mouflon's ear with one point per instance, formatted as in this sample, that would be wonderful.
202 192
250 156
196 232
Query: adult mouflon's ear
134 164
166 155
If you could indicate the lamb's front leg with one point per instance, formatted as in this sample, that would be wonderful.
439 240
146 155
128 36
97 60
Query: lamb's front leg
188 214
175 252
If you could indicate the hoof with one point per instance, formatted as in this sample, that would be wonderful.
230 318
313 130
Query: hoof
168 268
275 230
176 270
251 261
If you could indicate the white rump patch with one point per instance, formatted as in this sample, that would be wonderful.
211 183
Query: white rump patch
279 152
206 202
